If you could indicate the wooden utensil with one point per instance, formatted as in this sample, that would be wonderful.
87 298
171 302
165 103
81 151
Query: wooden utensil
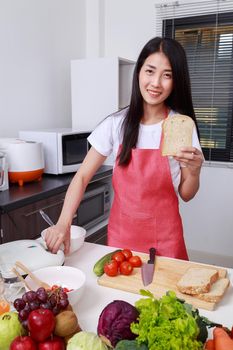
31 274
21 278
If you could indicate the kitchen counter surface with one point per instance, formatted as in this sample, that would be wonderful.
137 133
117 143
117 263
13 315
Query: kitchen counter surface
17 196
96 297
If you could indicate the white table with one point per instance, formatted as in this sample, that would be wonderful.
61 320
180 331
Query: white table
96 297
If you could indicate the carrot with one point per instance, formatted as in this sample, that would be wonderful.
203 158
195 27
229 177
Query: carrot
209 345
222 341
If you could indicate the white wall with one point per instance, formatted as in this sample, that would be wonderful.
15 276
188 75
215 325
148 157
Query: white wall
38 40
129 24
208 218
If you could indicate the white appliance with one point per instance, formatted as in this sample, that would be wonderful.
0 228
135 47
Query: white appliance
32 253
25 159
64 149
4 183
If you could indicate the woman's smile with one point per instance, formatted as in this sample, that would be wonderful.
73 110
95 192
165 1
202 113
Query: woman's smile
153 93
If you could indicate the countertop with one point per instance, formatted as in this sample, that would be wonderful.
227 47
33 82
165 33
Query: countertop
96 297
49 185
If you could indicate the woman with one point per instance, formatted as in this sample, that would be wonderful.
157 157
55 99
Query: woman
145 210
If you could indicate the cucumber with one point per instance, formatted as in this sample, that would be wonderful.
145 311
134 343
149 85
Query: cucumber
98 268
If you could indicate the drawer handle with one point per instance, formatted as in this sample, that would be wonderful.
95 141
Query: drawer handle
37 211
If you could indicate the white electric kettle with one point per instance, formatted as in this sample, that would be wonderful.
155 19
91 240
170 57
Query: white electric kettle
4 183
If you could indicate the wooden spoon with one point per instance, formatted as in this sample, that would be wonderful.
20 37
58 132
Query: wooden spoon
33 277
21 278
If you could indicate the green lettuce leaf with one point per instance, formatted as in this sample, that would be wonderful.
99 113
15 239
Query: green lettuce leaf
166 324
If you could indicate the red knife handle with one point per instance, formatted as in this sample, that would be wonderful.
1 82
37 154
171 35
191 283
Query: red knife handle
152 252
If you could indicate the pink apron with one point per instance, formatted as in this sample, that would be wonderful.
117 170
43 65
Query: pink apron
145 210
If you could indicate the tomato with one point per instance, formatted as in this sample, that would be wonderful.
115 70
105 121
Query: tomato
127 253
67 290
54 287
135 261
118 257
111 268
126 268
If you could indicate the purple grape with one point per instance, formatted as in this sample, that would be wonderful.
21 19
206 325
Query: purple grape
63 303
23 314
25 324
34 305
46 305
41 290
19 304
56 309
24 297
63 295
42 295
53 300
27 308
31 295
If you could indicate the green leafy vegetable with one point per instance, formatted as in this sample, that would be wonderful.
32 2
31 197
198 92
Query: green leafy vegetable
166 324
130 345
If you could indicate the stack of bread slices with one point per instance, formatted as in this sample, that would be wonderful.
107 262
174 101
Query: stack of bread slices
203 283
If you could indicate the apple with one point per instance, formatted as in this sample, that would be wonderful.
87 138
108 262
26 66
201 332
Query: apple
41 323
56 343
23 343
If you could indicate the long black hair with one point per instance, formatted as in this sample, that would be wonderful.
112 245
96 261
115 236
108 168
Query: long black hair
179 100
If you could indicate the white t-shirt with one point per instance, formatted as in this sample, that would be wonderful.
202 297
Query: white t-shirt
108 135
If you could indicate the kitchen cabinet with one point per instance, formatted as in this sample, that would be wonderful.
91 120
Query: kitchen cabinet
99 87
19 207
99 237
26 222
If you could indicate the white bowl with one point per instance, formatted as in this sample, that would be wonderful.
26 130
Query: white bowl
77 237
64 276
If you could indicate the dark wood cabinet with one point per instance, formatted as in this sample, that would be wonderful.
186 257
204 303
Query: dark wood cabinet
26 222
99 237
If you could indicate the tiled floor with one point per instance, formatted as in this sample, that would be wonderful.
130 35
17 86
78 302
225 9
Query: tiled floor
209 258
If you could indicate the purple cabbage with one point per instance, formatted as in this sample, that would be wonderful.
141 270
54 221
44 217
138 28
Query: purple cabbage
114 322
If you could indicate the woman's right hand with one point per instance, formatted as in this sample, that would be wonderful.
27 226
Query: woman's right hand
55 236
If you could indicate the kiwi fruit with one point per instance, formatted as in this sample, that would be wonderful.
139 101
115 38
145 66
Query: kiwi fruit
66 323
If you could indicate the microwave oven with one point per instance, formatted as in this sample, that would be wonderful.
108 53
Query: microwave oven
95 205
64 149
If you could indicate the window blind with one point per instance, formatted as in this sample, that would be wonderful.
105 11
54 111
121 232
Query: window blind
205 30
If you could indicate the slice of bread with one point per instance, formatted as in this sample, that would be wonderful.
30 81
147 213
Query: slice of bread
216 292
197 280
177 133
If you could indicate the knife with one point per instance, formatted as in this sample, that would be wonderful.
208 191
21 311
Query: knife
147 269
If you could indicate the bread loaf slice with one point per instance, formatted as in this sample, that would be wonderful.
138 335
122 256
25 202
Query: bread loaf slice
177 132
216 292
197 280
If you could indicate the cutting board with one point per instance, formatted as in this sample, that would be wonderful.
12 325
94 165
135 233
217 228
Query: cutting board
167 273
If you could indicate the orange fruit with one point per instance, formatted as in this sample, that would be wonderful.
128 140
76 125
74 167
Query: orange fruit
4 306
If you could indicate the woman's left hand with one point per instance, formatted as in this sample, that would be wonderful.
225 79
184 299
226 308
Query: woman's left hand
191 157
